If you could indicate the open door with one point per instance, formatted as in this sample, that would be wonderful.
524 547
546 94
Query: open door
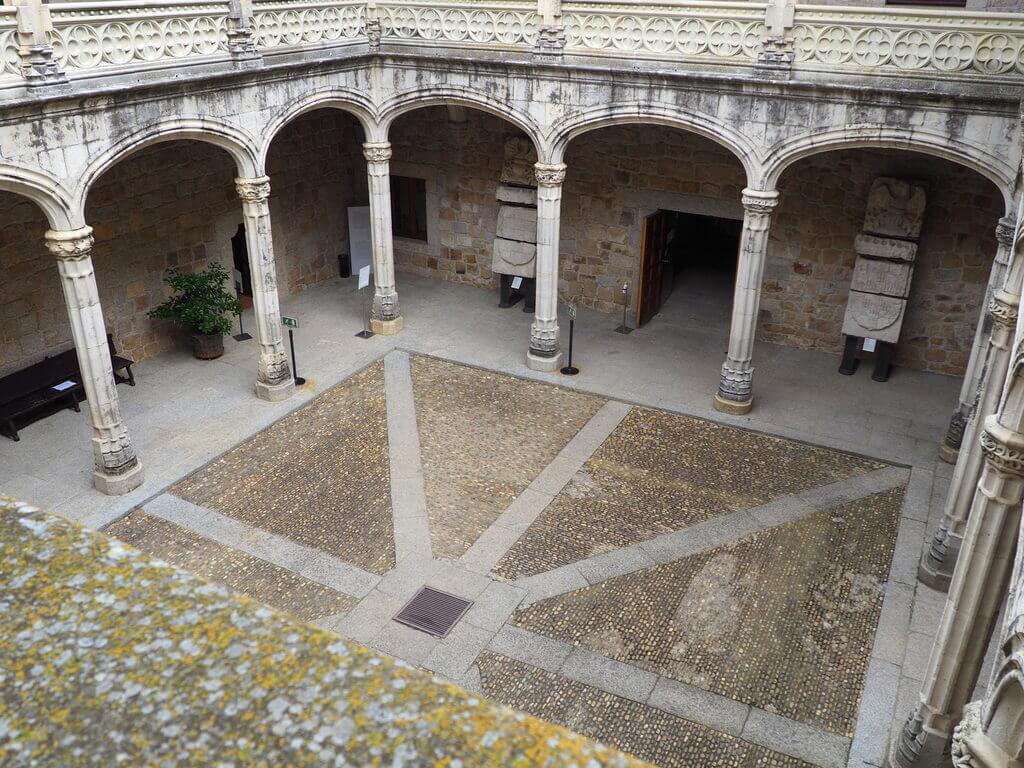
240 257
652 251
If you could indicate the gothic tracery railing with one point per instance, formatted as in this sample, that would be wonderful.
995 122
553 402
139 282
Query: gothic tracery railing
696 30
296 23
87 35
907 41
469 23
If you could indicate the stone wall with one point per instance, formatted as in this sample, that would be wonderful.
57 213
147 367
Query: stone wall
461 163
174 205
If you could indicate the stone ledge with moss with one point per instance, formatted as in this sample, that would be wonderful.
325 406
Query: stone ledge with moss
111 657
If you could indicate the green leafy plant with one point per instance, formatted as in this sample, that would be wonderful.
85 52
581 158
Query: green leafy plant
200 302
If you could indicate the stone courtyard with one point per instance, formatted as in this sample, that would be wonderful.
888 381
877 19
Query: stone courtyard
692 592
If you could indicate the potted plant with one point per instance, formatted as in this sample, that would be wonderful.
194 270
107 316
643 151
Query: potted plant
201 305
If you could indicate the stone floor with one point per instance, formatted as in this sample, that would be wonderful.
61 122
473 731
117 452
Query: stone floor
863 620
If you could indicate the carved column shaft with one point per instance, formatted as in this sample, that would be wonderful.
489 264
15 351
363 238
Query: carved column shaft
940 559
735 387
385 316
544 352
117 469
976 365
273 374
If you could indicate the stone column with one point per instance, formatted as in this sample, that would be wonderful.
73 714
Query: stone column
950 445
734 390
544 354
384 316
117 468
991 733
273 375
940 558
978 588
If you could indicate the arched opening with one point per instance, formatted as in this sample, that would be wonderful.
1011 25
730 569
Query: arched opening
318 182
655 210
169 205
813 253
463 200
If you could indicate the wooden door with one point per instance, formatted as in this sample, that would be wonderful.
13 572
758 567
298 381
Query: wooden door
652 250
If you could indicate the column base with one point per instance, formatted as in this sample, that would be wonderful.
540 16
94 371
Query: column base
916 747
948 454
548 364
734 407
120 484
273 393
939 561
387 327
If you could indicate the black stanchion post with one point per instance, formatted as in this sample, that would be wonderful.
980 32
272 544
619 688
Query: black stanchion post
570 369
291 323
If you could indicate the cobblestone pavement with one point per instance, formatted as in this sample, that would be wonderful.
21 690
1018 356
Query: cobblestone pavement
319 476
783 619
277 587
693 593
659 472
484 437
642 731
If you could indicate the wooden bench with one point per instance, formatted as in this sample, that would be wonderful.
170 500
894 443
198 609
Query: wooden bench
32 393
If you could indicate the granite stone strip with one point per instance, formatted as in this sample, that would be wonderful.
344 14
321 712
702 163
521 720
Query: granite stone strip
305 561
795 739
408 498
499 537
716 532
877 705
780 734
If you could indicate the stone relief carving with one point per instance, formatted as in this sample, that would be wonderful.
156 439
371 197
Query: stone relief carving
886 250
515 242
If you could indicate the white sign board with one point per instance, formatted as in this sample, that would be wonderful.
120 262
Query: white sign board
517 281
869 345
364 276
359 243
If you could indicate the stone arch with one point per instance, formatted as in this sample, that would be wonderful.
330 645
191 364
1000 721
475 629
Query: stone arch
408 102
331 98
996 170
640 113
43 190
236 142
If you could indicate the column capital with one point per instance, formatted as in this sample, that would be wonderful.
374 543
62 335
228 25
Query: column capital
1003 309
1003 448
377 151
759 200
549 174
71 243
1005 230
254 190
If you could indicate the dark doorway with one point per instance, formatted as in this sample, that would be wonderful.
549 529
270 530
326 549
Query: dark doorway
686 257
240 256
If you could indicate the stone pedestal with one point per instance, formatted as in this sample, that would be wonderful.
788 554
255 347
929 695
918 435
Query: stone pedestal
273 373
117 470
544 354
735 393
384 313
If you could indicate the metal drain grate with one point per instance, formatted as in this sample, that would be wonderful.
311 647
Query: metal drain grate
433 611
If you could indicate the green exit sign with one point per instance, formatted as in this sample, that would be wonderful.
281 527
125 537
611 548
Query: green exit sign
289 322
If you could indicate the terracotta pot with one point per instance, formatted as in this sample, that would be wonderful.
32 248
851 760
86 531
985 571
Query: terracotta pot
208 346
